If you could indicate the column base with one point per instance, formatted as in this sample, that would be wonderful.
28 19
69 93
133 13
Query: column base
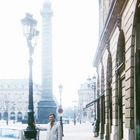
101 132
30 133
107 135
129 134
44 109
114 134
101 136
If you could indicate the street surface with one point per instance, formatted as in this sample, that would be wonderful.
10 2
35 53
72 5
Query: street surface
71 132
75 132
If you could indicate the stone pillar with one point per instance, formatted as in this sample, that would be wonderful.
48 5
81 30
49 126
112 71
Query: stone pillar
102 117
47 104
114 133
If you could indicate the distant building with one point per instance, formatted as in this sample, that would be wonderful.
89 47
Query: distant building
86 94
14 99
117 61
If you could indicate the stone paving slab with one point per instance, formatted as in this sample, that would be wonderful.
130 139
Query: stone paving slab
78 132
75 132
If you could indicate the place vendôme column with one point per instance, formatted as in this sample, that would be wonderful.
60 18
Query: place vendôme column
47 104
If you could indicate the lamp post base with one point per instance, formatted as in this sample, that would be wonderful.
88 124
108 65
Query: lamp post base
30 133
61 123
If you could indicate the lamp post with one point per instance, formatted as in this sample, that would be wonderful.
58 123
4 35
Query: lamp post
74 115
30 32
94 88
60 110
7 110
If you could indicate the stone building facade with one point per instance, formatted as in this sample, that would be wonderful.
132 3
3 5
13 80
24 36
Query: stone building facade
117 61
86 95
14 99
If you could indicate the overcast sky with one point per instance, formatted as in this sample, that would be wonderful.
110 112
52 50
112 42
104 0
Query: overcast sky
74 40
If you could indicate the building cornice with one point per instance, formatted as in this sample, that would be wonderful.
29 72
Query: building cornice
115 10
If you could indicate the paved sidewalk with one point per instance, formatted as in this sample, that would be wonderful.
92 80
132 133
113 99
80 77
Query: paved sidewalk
78 132
75 132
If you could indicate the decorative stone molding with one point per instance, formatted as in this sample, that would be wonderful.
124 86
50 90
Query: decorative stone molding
119 22
115 8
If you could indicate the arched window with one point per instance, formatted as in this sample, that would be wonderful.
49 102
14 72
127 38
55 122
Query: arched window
12 116
102 81
109 69
5 115
109 93
120 58
19 116
120 67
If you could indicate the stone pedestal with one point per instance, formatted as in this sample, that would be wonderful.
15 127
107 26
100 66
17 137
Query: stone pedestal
129 134
114 134
107 135
44 109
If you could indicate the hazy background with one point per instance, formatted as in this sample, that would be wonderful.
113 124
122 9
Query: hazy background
74 40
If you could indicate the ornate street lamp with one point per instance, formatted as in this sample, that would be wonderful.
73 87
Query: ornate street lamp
30 32
60 110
